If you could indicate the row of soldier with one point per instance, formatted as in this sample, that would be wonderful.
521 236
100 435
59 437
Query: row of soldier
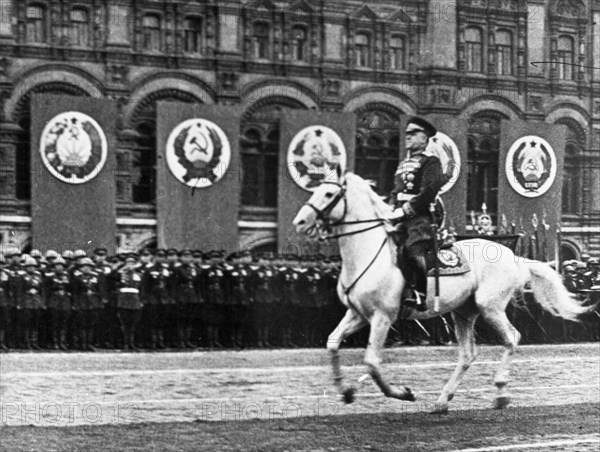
165 298
179 298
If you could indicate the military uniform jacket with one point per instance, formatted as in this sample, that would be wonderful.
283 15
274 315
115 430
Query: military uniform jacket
418 181
236 292
30 290
6 297
186 284
264 285
89 290
213 280
128 282
57 288
156 285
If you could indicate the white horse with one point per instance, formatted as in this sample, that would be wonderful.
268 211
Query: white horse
370 286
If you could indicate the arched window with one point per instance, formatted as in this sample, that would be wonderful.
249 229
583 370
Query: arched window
260 40
299 44
80 27
362 50
259 147
377 147
483 162
565 58
398 53
473 50
193 35
504 53
36 24
571 170
151 33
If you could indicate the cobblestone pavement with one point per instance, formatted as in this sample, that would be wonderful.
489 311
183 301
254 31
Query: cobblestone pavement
65 389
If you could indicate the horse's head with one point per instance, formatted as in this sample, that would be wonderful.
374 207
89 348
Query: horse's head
325 208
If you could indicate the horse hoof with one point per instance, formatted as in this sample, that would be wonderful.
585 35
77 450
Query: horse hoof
501 402
408 395
439 408
348 395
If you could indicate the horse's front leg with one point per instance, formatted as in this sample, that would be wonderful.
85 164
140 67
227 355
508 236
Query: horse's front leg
380 325
351 323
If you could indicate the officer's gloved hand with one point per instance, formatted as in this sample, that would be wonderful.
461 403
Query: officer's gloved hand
395 215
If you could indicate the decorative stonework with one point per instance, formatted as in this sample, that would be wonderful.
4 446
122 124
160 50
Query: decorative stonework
569 8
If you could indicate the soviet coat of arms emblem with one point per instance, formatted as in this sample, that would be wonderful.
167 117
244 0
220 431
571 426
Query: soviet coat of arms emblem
73 147
198 152
531 166
316 154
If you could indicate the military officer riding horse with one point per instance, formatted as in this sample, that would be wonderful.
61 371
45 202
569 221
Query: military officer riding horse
418 180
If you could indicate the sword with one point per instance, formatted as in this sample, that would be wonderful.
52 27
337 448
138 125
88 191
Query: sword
436 299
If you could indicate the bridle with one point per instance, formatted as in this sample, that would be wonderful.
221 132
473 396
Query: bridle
325 226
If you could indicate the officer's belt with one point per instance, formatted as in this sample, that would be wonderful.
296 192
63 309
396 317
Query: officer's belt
404 197
129 290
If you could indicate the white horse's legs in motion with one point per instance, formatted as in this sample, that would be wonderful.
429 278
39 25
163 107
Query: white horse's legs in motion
373 283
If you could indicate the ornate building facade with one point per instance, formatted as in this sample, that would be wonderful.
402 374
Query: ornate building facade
480 60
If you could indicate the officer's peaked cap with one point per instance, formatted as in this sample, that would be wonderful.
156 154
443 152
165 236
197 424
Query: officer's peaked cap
29 261
416 123
86 261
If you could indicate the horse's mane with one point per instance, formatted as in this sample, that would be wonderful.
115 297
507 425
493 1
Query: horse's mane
355 181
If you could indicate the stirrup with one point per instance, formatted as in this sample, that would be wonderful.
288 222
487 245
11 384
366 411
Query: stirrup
416 299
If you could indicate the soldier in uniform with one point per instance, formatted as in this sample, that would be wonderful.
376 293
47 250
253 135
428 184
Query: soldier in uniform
129 304
57 287
30 302
13 268
89 295
237 296
418 181
186 289
5 303
213 289
157 295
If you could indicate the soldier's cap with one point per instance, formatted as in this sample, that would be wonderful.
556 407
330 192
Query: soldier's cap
134 256
100 251
79 253
35 253
585 257
86 261
569 268
58 260
580 265
51 254
593 261
67 254
198 253
186 252
419 124
28 261
147 252
215 254
172 251
160 252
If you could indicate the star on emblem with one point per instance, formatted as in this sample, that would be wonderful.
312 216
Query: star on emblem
533 144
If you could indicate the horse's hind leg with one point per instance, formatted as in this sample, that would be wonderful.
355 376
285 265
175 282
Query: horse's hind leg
351 323
464 322
510 338
380 325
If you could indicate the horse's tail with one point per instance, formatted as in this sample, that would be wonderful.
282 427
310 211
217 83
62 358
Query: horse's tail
549 290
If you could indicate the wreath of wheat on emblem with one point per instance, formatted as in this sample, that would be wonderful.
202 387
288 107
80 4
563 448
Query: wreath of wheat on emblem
316 154
198 152
73 147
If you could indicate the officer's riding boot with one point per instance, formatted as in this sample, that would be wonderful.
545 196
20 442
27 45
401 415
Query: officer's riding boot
2 344
132 342
34 340
153 339
89 344
267 336
180 337
189 343
217 337
239 338
54 343
63 340
160 341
